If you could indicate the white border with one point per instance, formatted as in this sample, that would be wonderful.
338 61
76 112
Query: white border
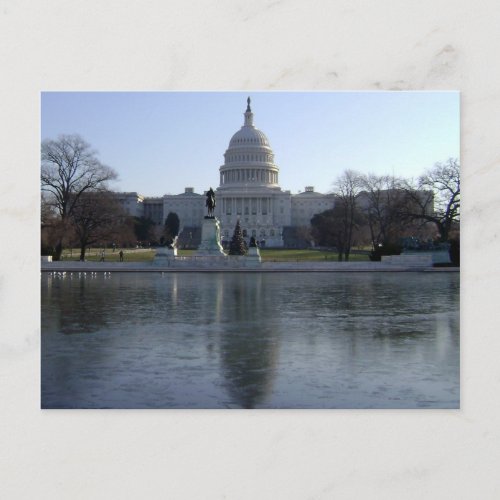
209 45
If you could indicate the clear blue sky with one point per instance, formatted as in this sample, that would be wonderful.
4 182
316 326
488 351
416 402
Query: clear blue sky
161 142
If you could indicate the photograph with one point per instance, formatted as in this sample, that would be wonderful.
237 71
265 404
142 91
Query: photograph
250 250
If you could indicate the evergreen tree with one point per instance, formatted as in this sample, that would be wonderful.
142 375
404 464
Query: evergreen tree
171 229
237 245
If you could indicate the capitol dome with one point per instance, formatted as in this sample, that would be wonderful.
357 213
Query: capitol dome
249 159
248 136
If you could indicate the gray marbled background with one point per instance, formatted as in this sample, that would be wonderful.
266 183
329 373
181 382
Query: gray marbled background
224 45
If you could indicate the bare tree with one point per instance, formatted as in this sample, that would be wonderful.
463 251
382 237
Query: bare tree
98 217
435 197
70 168
382 200
329 228
346 190
125 235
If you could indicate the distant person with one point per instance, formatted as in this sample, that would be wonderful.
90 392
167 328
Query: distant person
102 256
121 255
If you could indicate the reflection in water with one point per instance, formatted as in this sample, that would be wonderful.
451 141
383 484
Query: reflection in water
248 343
245 340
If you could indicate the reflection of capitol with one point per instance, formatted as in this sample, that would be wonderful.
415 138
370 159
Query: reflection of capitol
248 191
248 347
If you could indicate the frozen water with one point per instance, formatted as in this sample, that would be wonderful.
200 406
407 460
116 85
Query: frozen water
250 340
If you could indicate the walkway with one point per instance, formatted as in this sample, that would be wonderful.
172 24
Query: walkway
186 266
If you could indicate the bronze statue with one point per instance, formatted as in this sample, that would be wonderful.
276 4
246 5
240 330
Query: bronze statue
210 203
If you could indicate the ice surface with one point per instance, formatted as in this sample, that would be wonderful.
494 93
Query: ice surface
250 340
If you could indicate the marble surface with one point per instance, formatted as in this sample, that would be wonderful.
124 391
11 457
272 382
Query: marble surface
228 44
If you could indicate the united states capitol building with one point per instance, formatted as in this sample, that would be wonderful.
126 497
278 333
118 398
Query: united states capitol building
248 191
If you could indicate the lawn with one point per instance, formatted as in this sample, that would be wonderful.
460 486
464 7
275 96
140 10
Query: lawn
267 254
276 255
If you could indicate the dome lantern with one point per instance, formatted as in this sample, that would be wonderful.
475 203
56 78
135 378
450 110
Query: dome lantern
249 135
248 115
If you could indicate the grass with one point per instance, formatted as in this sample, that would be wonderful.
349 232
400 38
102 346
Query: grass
267 254
308 255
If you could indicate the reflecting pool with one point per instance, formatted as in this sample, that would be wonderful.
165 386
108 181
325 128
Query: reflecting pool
250 340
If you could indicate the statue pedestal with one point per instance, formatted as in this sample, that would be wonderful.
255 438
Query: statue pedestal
210 238
164 255
253 254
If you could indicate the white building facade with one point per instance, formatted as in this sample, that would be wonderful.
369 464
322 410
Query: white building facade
132 203
189 206
307 204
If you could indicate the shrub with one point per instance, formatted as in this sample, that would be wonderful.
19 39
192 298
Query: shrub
388 249
47 250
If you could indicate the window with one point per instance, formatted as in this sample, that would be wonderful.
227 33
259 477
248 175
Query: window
244 233
264 206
